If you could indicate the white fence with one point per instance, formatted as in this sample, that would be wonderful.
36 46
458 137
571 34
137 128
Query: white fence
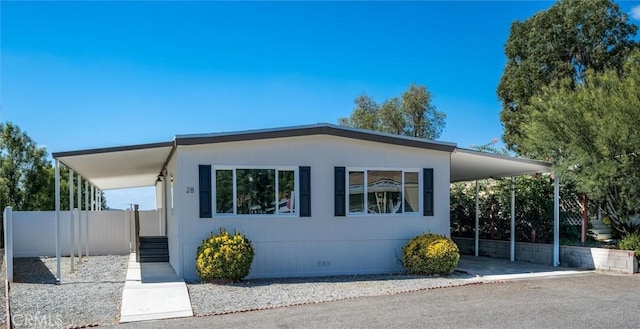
109 232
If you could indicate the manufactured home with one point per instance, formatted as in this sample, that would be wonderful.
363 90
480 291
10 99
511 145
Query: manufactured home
315 200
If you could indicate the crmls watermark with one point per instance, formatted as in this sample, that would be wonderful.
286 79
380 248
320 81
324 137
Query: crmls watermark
36 320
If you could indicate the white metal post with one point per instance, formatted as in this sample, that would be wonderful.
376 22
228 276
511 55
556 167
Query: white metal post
86 217
130 221
99 196
8 242
512 256
477 220
57 200
93 198
72 236
556 220
78 216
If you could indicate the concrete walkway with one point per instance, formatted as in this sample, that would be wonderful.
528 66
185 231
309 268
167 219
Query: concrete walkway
153 291
488 268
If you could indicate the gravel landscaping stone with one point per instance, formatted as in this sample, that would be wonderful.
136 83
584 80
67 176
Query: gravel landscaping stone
3 275
214 299
89 296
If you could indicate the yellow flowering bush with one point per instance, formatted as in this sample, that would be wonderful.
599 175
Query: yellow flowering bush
224 257
430 254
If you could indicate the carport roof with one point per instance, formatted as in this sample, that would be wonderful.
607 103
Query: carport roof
140 165
469 165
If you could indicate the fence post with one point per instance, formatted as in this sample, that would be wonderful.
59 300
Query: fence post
8 242
76 238
137 223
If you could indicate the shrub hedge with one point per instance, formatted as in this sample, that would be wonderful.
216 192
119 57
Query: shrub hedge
430 254
224 257
631 242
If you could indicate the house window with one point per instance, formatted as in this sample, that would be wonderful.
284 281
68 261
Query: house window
224 191
255 191
356 192
383 191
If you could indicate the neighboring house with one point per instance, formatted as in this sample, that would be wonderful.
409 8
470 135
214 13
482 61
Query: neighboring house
315 200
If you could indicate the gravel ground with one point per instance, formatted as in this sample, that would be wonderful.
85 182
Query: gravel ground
3 275
89 296
212 299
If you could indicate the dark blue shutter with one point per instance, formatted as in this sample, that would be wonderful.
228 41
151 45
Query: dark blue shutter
427 191
305 191
339 191
204 190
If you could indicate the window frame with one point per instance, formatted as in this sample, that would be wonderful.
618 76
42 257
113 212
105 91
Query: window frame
365 171
277 169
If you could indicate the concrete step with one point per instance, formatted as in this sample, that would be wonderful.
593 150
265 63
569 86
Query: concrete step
154 249
154 245
154 259
154 252
153 239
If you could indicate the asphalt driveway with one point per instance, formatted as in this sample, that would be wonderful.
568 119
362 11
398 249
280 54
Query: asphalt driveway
589 300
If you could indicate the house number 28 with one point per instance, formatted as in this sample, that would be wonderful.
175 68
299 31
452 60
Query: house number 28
190 190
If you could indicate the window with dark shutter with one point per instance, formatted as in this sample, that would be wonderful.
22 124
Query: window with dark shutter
204 190
427 192
305 191
339 191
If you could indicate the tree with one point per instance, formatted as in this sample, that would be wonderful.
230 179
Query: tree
23 170
591 129
391 117
533 211
364 115
563 42
411 115
423 120
27 178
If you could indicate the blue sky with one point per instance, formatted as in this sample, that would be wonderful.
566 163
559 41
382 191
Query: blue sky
78 75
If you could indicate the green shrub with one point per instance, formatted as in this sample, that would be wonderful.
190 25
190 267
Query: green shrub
224 257
631 242
430 254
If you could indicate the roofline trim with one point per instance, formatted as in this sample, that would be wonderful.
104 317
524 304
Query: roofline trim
56 155
319 129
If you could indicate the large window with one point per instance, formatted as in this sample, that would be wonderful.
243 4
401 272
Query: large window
383 191
249 191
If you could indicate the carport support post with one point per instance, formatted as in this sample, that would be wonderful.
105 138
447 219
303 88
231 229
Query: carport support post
512 252
86 217
57 200
72 219
79 217
556 220
477 232
8 242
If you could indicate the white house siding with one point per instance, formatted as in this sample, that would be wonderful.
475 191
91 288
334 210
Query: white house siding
322 244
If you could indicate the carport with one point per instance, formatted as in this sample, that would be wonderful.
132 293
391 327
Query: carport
104 169
470 165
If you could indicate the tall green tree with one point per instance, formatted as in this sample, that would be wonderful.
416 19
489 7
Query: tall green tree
27 177
592 130
24 177
563 42
412 114
364 115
